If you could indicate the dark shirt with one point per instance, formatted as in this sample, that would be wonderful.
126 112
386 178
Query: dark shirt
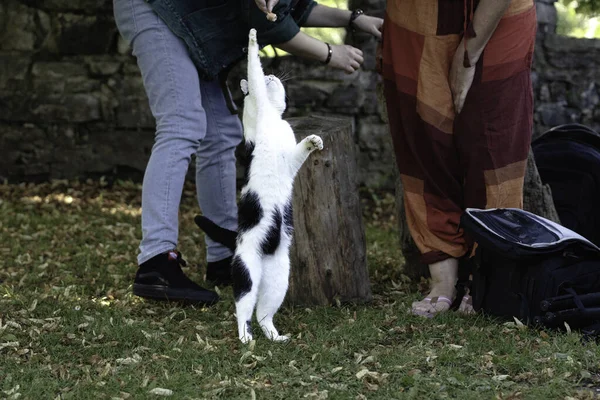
216 31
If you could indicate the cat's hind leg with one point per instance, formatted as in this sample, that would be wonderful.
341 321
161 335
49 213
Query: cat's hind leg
272 289
246 274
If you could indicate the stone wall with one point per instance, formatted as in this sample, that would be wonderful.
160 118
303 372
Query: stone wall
566 78
71 98
72 102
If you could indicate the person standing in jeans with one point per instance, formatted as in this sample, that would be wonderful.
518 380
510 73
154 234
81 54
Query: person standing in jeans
184 49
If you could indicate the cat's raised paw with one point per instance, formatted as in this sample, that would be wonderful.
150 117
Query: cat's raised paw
252 35
315 142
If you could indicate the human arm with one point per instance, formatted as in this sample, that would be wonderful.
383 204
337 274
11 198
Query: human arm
323 16
343 57
485 20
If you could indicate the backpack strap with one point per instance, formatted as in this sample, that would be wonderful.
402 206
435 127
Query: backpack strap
576 298
479 283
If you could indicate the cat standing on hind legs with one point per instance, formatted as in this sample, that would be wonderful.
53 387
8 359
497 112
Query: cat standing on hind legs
261 264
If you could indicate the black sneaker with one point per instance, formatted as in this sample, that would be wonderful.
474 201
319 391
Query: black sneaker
161 278
218 273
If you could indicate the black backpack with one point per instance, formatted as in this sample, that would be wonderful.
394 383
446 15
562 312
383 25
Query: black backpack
568 159
528 267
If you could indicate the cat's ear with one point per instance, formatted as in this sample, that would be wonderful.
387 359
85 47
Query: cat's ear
244 86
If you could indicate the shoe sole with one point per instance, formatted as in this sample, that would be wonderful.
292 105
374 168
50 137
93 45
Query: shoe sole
160 292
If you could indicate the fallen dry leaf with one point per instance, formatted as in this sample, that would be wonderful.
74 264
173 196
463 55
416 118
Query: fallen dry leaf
129 360
161 392
519 324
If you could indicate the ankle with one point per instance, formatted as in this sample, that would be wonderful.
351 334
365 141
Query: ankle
162 259
444 276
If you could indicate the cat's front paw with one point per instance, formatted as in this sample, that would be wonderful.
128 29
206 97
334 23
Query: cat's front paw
252 35
314 143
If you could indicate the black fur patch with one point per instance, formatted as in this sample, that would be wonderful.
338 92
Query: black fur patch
271 241
288 217
249 327
241 278
247 158
249 211
215 232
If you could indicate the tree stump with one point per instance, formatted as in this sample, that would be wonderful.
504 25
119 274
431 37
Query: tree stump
537 197
328 254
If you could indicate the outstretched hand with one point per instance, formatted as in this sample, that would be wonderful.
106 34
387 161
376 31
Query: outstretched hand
266 6
369 24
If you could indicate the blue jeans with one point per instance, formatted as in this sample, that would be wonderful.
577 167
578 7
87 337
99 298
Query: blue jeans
192 117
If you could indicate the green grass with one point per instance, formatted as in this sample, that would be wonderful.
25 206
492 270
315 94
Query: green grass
70 328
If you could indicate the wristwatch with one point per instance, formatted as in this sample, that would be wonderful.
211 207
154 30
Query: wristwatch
355 14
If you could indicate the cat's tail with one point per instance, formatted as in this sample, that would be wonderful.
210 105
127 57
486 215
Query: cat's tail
220 235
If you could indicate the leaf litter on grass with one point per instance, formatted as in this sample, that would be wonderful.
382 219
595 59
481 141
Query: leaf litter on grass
70 328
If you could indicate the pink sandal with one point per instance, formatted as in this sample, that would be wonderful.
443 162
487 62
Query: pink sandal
434 301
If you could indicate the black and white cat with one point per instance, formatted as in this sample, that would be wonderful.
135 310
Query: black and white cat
261 263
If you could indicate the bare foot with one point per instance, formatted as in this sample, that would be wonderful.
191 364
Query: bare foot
444 275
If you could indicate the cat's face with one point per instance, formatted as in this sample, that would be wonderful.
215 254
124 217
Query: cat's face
275 91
